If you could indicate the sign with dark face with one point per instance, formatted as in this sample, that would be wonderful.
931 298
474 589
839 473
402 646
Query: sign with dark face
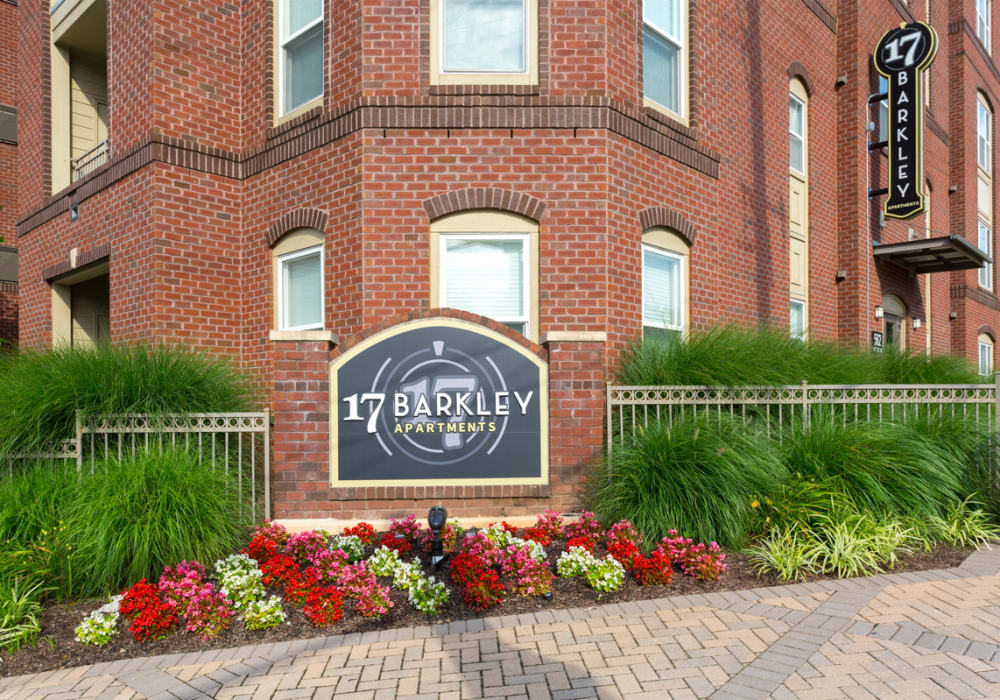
877 341
438 402
902 55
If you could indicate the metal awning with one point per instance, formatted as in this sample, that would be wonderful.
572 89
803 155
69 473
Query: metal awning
933 255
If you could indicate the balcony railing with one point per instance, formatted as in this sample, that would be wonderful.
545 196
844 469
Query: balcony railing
90 161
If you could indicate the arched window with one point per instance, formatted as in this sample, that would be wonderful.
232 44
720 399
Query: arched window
486 262
298 280
798 210
894 321
985 355
664 283
984 159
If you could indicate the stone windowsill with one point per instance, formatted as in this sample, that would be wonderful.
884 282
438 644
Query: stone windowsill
319 336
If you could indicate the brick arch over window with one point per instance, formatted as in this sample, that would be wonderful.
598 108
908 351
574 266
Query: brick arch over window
484 198
797 71
348 343
297 218
668 218
987 330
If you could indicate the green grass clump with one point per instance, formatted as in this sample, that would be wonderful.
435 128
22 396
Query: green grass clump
43 390
32 500
734 356
131 518
20 612
698 478
879 467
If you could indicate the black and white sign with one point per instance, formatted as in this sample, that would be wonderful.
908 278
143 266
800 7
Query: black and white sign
435 402
877 341
902 55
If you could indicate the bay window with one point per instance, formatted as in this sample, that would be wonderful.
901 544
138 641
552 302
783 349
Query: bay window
484 42
300 54
664 55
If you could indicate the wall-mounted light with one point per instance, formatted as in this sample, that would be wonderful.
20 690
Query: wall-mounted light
916 323
952 315
879 311
841 275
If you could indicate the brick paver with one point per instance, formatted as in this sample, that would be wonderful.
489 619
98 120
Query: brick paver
924 635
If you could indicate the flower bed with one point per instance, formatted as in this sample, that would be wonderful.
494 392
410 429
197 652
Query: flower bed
284 586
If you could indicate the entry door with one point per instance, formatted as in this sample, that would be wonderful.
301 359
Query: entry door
894 332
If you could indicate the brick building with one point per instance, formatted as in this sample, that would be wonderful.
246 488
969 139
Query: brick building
8 171
275 179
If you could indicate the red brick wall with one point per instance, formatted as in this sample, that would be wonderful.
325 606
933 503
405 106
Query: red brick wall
186 220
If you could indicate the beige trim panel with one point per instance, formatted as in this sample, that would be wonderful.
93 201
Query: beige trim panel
303 336
543 405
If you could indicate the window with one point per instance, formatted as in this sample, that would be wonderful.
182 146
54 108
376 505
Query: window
484 42
487 274
985 355
797 319
883 110
796 134
664 60
300 294
664 284
300 53
986 245
893 319
298 281
984 131
983 23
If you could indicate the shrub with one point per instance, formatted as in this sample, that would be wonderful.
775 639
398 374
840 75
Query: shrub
364 531
43 390
396 543
481 587
551 523
704 563
408 528
404 575
32 499
97 629
696 476
208 612
964 525
155 621
384 561
137 598
624 551
134 516
302 546
351 545
576 561
879 467
264 614
734 356
240 579
586 526
20 612
278 570
179 584
533 578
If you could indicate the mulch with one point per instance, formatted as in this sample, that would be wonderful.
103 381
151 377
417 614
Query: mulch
57 648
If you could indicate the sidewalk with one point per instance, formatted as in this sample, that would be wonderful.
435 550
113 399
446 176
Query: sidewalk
933 634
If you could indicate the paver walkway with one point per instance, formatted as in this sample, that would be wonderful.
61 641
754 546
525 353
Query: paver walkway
933 634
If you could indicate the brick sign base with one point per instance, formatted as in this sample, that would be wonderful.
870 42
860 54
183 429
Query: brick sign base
300 462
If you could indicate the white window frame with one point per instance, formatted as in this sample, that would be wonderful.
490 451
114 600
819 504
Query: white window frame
883 110
526 43
526 267
282 310
984 119
988 347
681 288
682 52
282 44
805 318
984 21
801 137
986 271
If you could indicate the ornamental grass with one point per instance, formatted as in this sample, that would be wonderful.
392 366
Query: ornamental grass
42 391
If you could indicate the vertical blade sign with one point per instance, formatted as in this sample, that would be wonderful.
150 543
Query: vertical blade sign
902 55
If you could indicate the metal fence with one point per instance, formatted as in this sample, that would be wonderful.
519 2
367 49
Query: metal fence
783 408
239 443
90 161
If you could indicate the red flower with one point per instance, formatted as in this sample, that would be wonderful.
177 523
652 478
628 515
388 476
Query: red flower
278 570
623 551
363 530
155 621
481 587
299 586
537 534
585 542
137 598
262 549
657 570
324 606
400 544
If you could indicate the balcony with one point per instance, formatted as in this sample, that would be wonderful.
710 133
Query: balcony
79 99
89 161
